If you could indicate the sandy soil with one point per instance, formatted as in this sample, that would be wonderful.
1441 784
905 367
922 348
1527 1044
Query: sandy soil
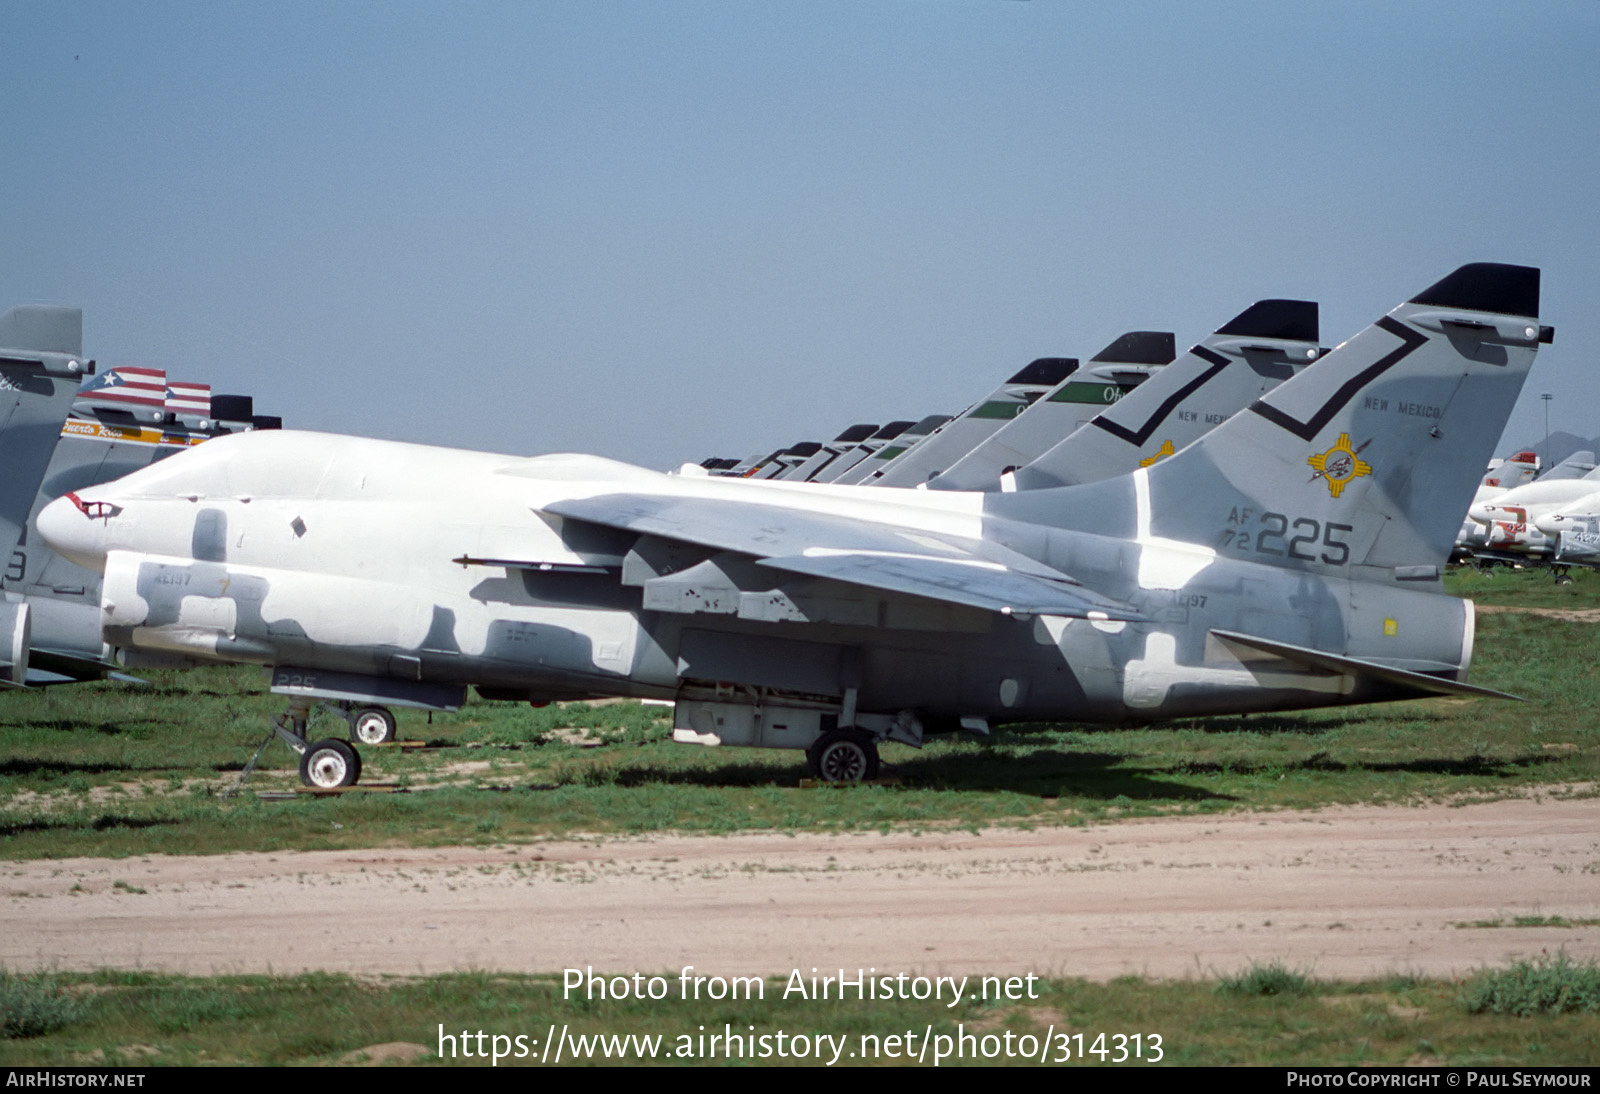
1349 892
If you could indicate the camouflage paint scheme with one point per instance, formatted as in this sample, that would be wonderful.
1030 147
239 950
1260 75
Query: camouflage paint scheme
1289 558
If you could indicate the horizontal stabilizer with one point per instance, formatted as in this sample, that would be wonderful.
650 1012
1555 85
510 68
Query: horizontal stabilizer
1354 666
43 678
52 666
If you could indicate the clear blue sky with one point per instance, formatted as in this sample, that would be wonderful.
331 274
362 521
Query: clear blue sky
663 230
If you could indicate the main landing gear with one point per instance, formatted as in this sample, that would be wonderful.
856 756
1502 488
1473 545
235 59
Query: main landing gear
844 756
327 763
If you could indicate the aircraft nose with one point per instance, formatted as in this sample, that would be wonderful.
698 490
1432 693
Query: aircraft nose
76 529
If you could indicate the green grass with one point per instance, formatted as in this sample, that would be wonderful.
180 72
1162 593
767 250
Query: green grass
1502 586
1547 985
115 770
34 1005
145 1019
1273 978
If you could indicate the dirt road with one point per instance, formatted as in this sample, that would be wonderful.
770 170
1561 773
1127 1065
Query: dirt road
1349 892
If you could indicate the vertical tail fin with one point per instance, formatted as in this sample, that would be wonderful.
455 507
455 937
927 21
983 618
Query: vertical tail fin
1115 372
851 458
1246 357
831 451
873 467
40 370
1368 458
39 328
1576 466
972 427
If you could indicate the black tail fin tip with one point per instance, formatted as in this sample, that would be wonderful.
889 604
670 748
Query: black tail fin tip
1141 347
1048 371
1290 320
233 408
1486 286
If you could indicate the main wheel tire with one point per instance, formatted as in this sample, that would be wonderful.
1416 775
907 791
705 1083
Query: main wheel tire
329 764
844 756
373 725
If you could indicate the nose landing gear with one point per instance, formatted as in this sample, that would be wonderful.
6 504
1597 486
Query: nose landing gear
327 763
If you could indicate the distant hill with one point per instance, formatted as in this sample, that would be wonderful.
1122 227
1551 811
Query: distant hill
1555 448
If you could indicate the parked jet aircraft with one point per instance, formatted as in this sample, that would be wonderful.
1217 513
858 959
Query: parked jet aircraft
122 421
1245 358
1114 373
830 452
903 445
1509 521
909 465
1519 470
1577 544
1288 559
853 457
41 366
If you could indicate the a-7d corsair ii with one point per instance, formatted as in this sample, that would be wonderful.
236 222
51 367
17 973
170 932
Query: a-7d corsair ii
1288 559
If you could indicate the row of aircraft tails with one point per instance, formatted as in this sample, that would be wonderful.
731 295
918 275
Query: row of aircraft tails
1258 523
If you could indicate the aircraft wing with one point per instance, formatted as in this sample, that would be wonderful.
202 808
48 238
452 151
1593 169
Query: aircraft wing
972 582
948 568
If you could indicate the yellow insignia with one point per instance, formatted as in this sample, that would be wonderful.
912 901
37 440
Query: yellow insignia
1164 450
1339 464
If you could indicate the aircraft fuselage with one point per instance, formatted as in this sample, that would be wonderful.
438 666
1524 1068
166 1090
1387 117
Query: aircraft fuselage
404 562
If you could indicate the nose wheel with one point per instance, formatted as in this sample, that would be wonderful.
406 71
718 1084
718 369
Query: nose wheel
329 764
